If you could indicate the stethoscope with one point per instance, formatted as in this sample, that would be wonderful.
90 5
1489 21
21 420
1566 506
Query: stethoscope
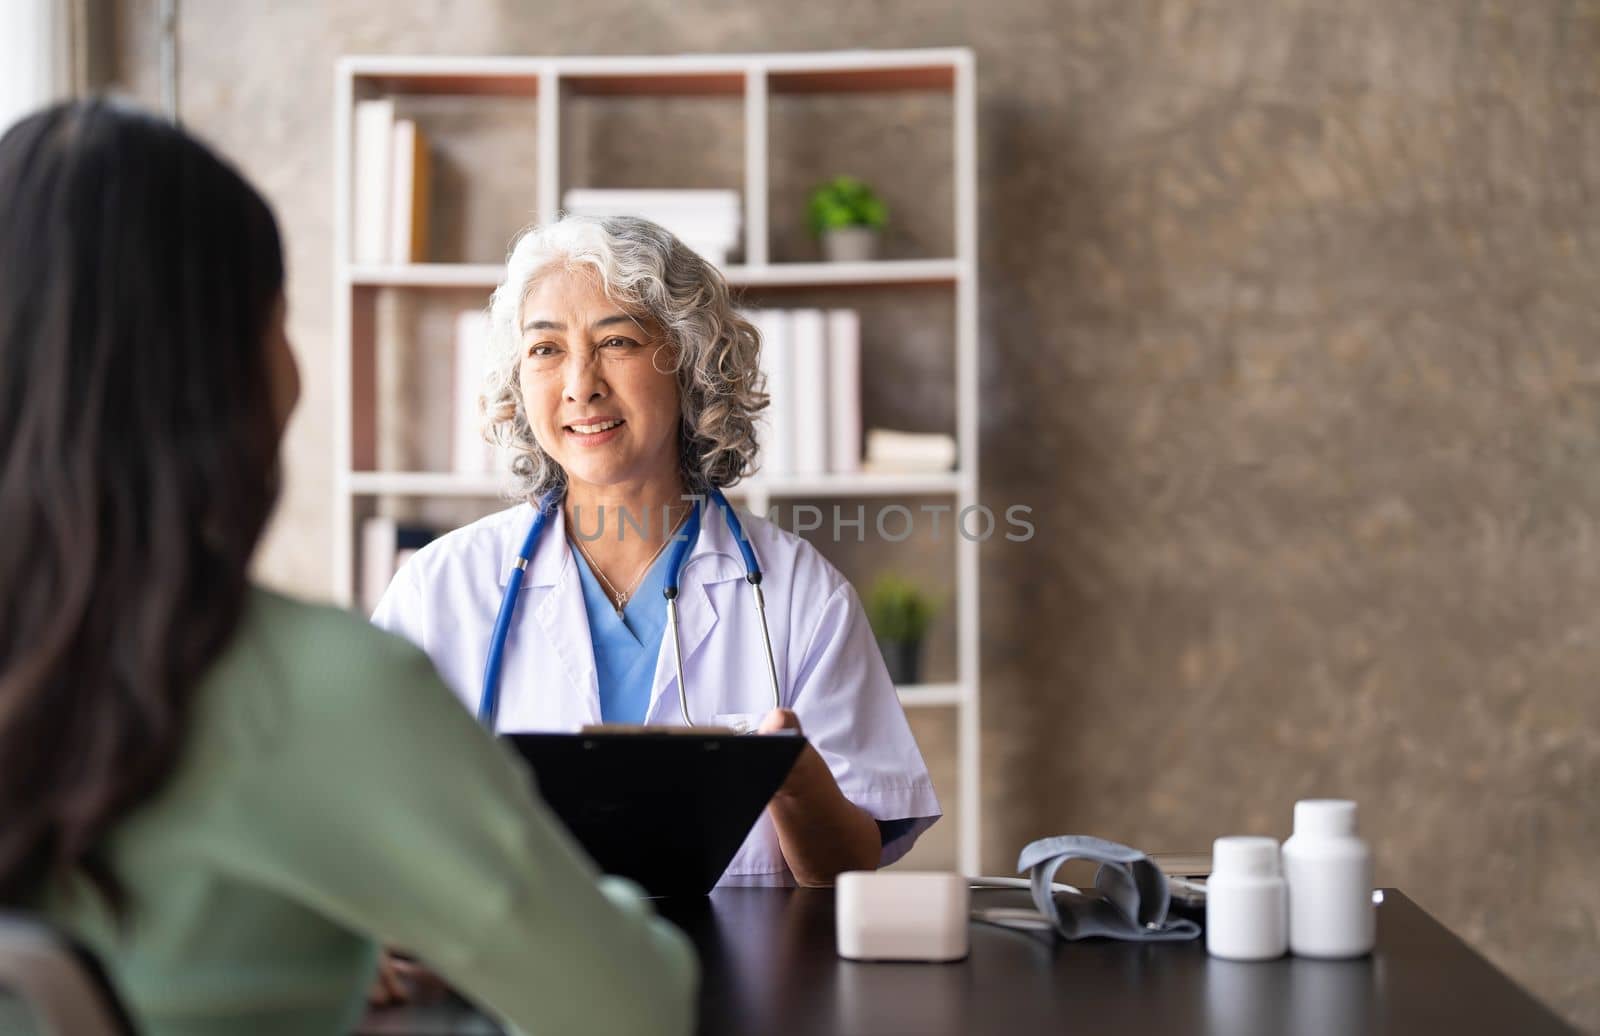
489 701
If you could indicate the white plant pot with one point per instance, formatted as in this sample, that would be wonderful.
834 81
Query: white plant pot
850 245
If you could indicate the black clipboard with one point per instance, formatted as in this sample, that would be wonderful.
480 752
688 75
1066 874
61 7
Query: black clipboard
667 809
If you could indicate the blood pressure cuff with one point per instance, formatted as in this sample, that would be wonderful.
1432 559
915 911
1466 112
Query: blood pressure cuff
1128 901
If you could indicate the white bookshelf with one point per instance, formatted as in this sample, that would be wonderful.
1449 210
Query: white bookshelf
550 84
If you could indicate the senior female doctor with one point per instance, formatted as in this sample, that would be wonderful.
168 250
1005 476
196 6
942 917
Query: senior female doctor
627 387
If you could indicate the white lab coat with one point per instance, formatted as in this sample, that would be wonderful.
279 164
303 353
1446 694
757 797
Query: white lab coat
832 675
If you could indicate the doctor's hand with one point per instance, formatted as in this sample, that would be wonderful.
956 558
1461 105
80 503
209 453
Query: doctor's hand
821 833
779 719
804 773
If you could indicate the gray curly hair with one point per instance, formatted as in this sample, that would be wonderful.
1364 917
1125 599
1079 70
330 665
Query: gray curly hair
646 269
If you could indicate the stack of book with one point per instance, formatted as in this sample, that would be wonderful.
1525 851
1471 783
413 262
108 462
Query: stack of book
390 187
895 452
470 451
706 221
812 360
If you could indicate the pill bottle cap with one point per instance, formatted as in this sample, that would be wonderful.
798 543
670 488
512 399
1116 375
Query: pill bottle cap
1245 856
1331 817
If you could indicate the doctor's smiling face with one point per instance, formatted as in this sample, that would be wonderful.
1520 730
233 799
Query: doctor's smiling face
598 387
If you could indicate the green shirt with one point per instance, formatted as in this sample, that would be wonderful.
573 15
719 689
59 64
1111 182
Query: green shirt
333 792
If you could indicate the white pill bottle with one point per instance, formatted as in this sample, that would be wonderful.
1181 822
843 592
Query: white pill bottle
1246 907
1329 873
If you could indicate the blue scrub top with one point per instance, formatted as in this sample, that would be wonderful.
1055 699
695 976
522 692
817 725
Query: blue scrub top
625 648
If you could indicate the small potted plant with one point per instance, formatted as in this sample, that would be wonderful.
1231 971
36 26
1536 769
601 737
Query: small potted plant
900 614
847 215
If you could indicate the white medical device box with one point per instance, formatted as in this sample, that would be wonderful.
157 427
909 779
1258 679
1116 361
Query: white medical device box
902 915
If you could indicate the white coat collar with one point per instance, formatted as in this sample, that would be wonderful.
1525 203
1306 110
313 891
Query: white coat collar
714 557
557 603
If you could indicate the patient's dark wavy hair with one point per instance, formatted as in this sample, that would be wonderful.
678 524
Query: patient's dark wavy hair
138 464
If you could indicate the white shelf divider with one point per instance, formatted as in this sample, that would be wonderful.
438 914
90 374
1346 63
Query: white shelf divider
548 192
550 82
449 483
969 730
931 695
853 70
429 275
755 167
767 275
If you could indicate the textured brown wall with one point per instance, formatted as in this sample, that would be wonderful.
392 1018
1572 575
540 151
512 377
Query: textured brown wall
1289 331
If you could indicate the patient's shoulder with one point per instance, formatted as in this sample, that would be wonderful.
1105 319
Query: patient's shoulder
317 649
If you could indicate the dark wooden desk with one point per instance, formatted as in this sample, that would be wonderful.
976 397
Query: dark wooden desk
769 967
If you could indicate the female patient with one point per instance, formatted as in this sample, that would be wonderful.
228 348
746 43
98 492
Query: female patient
216 788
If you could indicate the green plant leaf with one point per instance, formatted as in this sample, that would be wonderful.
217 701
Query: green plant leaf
845 201
898 610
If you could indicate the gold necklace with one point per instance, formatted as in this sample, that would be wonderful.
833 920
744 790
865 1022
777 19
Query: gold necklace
621 596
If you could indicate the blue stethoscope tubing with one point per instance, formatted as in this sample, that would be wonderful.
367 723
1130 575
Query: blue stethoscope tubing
489 700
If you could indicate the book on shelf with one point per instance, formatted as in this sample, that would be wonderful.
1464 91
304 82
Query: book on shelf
408 194
372 181
812 362
472 454
774 429
385 544
391 176
844 391
810 390
707 221
895 452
